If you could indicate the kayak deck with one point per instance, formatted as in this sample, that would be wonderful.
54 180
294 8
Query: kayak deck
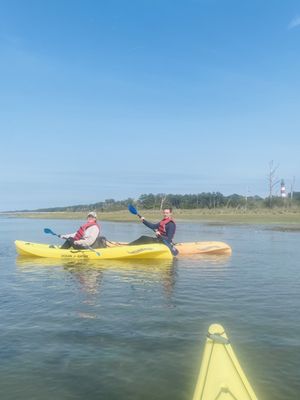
149 251
117 250
221 376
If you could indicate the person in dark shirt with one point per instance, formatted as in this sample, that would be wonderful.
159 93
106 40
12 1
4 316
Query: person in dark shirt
165 229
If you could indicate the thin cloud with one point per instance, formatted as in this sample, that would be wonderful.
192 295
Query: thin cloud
294 22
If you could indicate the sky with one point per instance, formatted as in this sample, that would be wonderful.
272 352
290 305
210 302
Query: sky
113 99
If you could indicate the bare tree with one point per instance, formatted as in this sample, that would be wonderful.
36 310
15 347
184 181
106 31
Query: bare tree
292 187
272 180
246 197
163 199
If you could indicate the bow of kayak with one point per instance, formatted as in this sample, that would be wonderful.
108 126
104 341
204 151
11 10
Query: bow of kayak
149 251
191 248
221 376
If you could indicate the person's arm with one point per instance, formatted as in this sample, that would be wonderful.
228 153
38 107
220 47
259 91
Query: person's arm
149 224
89 237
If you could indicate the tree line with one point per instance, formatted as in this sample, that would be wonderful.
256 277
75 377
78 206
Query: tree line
210 200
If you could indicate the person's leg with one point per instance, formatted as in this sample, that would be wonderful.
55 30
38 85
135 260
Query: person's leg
68 243
78 247
143 240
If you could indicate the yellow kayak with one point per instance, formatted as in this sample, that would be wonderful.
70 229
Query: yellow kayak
149 251
221 376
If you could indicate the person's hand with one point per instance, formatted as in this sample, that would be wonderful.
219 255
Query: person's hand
142 218
157 233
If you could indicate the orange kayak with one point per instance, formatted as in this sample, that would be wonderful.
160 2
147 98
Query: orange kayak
194 248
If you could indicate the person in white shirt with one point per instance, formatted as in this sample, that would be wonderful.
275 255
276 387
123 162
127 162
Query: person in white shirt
86 236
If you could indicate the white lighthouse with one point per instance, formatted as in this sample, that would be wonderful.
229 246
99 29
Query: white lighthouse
282 189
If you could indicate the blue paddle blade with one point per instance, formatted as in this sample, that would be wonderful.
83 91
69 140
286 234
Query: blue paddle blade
132 209
47 230
173 249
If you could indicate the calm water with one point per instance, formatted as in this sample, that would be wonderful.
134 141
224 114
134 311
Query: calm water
136 330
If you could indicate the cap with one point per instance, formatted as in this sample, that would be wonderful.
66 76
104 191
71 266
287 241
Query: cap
92 214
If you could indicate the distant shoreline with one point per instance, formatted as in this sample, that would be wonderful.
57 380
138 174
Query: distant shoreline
287 219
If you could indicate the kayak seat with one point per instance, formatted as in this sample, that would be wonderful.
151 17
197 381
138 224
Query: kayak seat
100 243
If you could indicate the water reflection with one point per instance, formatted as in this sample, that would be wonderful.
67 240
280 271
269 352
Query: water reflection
208 259
90 273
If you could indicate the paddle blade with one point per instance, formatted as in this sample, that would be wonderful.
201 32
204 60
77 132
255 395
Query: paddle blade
132 209
173 249
47 230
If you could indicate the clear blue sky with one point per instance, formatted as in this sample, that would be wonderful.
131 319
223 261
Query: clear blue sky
112 99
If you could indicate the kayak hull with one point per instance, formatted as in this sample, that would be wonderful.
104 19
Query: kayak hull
221 376
194 248
149 251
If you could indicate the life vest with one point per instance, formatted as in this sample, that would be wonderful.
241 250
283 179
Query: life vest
162 226
79 234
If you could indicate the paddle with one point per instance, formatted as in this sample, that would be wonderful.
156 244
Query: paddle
49 231
173 250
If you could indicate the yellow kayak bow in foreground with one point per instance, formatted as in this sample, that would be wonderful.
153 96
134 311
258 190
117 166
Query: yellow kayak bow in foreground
146 251
221 376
